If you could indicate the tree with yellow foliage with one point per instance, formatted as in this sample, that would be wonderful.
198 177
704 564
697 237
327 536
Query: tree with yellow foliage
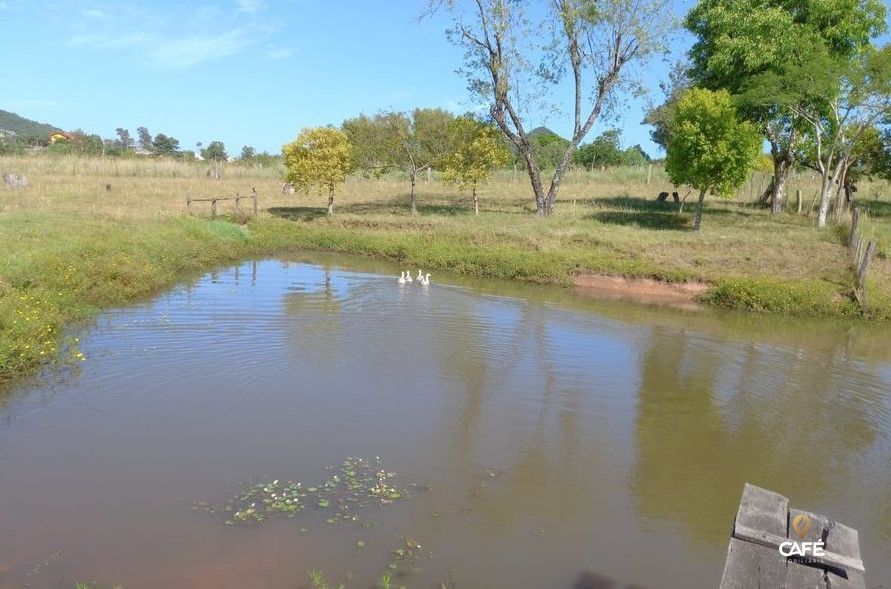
476 150
319 158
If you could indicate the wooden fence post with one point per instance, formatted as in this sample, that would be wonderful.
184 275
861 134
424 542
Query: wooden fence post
254 190
798 202
189 205
861 271
855 220
237 204
649 173
213 208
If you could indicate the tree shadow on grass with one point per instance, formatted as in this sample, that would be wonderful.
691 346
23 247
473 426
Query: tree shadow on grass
877 208
670 221
369 208
635 203
298 213
396 206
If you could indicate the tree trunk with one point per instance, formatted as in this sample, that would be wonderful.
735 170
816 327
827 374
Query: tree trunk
551 197
698 221
534 176
782 166
476 202
825 195
829 178
330 202
414 200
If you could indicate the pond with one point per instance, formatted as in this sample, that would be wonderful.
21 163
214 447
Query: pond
528 435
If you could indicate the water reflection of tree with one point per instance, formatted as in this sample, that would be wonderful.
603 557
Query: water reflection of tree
317 311
712 416
538 449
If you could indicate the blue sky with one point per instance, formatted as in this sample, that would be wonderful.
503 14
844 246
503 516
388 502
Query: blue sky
246 72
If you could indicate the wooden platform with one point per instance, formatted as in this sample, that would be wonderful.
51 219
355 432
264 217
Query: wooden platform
763 522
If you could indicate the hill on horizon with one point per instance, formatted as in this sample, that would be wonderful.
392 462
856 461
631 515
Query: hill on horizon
545 132
22 127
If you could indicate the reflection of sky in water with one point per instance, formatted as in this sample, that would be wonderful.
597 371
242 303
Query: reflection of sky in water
615 428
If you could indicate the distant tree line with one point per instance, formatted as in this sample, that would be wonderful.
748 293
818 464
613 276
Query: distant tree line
144 144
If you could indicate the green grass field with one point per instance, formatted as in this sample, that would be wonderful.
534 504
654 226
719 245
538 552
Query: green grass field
71 247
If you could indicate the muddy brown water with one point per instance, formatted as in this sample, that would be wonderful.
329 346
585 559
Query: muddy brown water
548 434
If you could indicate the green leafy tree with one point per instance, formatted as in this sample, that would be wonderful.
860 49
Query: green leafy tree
604 151
319 158
710 148
873 157
411 143
125 142
635 156
739 39
512 64
547 148
165 145
248 153
145 139
375 141
476 150
215 152
837 103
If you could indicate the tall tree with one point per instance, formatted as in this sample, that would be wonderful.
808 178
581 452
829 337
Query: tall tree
165 145
738 39
215 151
475 150
511 66
145 139
710 148
124 139
248 153
319 158
411 143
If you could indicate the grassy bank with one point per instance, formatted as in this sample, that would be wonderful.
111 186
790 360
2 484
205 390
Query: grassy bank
70 247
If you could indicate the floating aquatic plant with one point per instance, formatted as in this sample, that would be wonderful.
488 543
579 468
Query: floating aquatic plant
358 483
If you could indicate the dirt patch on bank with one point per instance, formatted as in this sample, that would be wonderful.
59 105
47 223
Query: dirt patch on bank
685 295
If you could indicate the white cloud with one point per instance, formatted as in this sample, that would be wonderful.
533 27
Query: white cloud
195 49
95 14
278 53
111 40
180 40
249 5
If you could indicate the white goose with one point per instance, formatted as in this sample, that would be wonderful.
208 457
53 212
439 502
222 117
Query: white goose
420 277
401 278
408 276
425 280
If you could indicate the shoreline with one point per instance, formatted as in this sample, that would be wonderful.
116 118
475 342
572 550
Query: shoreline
57 283
682 295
